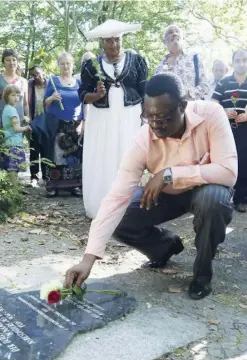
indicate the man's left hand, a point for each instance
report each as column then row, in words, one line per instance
column 241, row 118
column 152, row 190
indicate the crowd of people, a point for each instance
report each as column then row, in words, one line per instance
column 192, row 143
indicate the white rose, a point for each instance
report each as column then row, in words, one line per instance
column 48, row 287
column 165, row 67
column 96, row 45
column 89, row 46
column 44, row 291
column 87, row 56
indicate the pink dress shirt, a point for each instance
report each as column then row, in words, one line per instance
column 206, row 154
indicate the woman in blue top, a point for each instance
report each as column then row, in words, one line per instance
column 63, row 119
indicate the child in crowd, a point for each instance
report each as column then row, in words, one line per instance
column 13, row 152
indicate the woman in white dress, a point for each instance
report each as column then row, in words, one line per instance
column 113, row 116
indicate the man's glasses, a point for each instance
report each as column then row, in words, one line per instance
column 160, row 122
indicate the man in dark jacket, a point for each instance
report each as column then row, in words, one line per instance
column 36, row 89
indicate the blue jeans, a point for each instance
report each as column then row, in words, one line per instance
column 212, row 209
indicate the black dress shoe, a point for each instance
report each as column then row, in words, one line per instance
column 198, row 291
column 175, row 248
column 240, row 208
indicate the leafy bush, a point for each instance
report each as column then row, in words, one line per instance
column 10, row 196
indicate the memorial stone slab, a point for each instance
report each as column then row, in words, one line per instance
column 31, row 329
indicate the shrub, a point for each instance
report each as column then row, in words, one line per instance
column 10, row 196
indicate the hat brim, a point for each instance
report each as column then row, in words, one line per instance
column 112, row 28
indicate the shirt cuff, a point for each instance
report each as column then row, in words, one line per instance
column 184, row 177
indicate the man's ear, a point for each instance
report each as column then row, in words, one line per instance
column 183, row 105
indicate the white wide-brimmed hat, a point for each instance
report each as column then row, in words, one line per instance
column 111, row 28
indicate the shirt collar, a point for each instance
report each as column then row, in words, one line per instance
column 192, row 120
column 182, row 54
column 232, row 77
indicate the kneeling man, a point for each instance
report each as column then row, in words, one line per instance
column 190, row 150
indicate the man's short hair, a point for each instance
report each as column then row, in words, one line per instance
column 35, row 66
column 166, row 30
column 167, row 83
column 8, row 90
column 219, row 61
column 237, row 51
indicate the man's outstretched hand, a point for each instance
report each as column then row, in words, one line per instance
column 79, row 273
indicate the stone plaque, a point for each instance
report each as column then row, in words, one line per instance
column 31, row 329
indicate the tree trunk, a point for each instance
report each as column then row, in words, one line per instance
column 104, row 11
column 66, row 25
column 31, row 38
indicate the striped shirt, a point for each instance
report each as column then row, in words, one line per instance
column 226, row 88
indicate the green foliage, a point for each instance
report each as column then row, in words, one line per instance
column 10, row 196
column 212, row 28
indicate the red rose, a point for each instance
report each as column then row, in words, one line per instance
column 235, row 95
column 55, row 174
column 54, row 297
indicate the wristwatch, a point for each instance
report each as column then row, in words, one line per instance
column 167, row 176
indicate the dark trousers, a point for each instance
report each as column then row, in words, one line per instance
column 212, row 209
column 240, row 191
column 240, row 136
column 36, row 150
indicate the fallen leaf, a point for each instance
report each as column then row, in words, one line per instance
column 24, row 238
column 214, row 322
column 174, row 289
column 148, row 305
column 169, row 271
column 41, row 242
column 57, row 251
column 243, row 306
column 55, row 221
column 35, row 231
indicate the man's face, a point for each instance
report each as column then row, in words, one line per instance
column 219, row 71
column 240, row 62
column 113, row 46
column 164, row 115
column 174, row 38
column 38, row 76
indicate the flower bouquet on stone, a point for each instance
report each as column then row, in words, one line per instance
column 54, row 291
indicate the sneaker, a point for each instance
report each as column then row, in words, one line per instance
column 34, row 183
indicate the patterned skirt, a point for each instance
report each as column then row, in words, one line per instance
column 13, row 159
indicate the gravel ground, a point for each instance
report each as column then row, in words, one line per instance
column 57, row 229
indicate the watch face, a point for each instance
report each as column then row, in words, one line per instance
column 167, row 176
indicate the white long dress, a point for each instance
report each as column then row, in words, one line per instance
column 109, row 132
